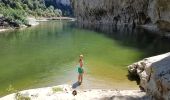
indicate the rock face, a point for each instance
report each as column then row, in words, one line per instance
column 122, row 12
column 154, row 73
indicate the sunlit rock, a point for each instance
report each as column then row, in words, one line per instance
column 155, row 78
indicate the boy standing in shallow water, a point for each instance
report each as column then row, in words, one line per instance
column 80, row 69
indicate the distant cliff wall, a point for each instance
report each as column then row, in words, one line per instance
column 123, row 12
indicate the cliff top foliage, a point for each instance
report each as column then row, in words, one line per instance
column 18, row 10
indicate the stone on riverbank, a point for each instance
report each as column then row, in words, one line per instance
column 154, row 73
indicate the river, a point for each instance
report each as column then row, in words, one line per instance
column 47, row 55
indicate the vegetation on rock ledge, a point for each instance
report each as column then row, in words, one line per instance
column 17, row 10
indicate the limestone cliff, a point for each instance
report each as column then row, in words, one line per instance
column 154, row 73
column 123, row 12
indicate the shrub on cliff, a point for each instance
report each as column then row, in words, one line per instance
column 14, row 15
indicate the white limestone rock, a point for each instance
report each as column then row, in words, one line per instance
column 155, row 78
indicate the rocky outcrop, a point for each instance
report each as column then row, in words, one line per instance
column 122, row 12
column 154, row 73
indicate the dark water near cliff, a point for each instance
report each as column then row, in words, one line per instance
column 151, row 42
column 47, row 54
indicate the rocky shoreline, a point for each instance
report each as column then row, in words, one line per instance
column 154, row 74
column 64, row 92
column 32, row 21
column 6, row 25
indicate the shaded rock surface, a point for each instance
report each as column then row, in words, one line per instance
column 122, row 12
column 154, row 73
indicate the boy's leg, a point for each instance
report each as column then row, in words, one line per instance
column 79, row 78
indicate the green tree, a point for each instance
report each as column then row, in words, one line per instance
column 18, row 5
column 25, row 7
column 51, row 8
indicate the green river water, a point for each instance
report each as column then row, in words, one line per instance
column 47, row 54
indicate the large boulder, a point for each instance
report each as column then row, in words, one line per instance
column 154, row 74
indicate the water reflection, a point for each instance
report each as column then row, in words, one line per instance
column 150, row 42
